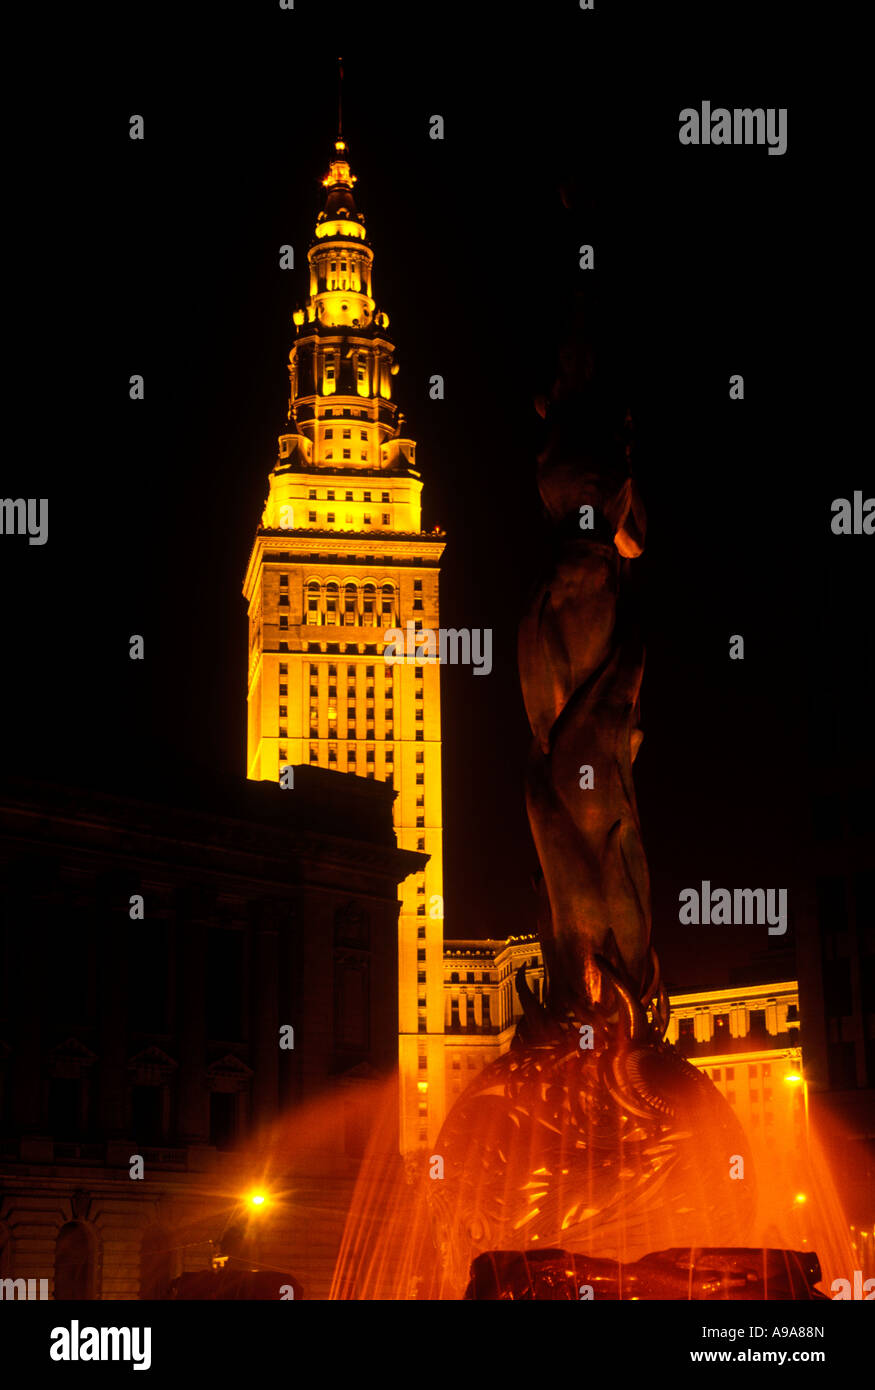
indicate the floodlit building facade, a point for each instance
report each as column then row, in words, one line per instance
column 340, row 559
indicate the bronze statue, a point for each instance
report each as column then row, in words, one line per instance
column 591, row 1134
column 581, row 660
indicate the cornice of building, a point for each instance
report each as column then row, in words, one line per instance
column 737, row 994
column 461, row 947
column 262, row 849
column 748, row 1056
column 298, row 540
column 315, row 328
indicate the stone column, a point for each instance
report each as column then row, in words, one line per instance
column 703, row 1025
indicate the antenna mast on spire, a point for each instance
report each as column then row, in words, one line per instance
column 339, row 98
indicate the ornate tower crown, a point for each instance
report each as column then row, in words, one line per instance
column 340, row 255
column 340, row 203
column 341, row 366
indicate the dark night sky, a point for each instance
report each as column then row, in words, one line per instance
column 163, row 258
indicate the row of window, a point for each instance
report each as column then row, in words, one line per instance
column 370, row 671
column 352, row 760
column 350, row 670
column 388, row 712
column 361, row 367
column 752, row 1071
column 351, row 587
column 370, row 762
column 351, row 720
column 388, row 755
column 315, row 732
column 336, row 648
column 354, row 268
column 349, row 519
column 351, row 693
column 349, row 495
column 351, row 690
column 325, row 601
column 345, row 414
column 751, row 1022
column 485, row 1012
column 351, row 735
column 332, row 619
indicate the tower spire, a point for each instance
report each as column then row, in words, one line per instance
column 340, row 98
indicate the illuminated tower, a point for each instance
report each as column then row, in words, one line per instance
column 339, row 559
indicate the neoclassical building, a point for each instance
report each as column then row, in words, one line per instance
column 197, row 1005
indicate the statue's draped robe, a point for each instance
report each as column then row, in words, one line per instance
column 581, row 662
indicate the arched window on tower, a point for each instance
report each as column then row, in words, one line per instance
column 314, row 589
column 369, row 604
column 350, row 605
column 332, row 596
column 388, row 605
